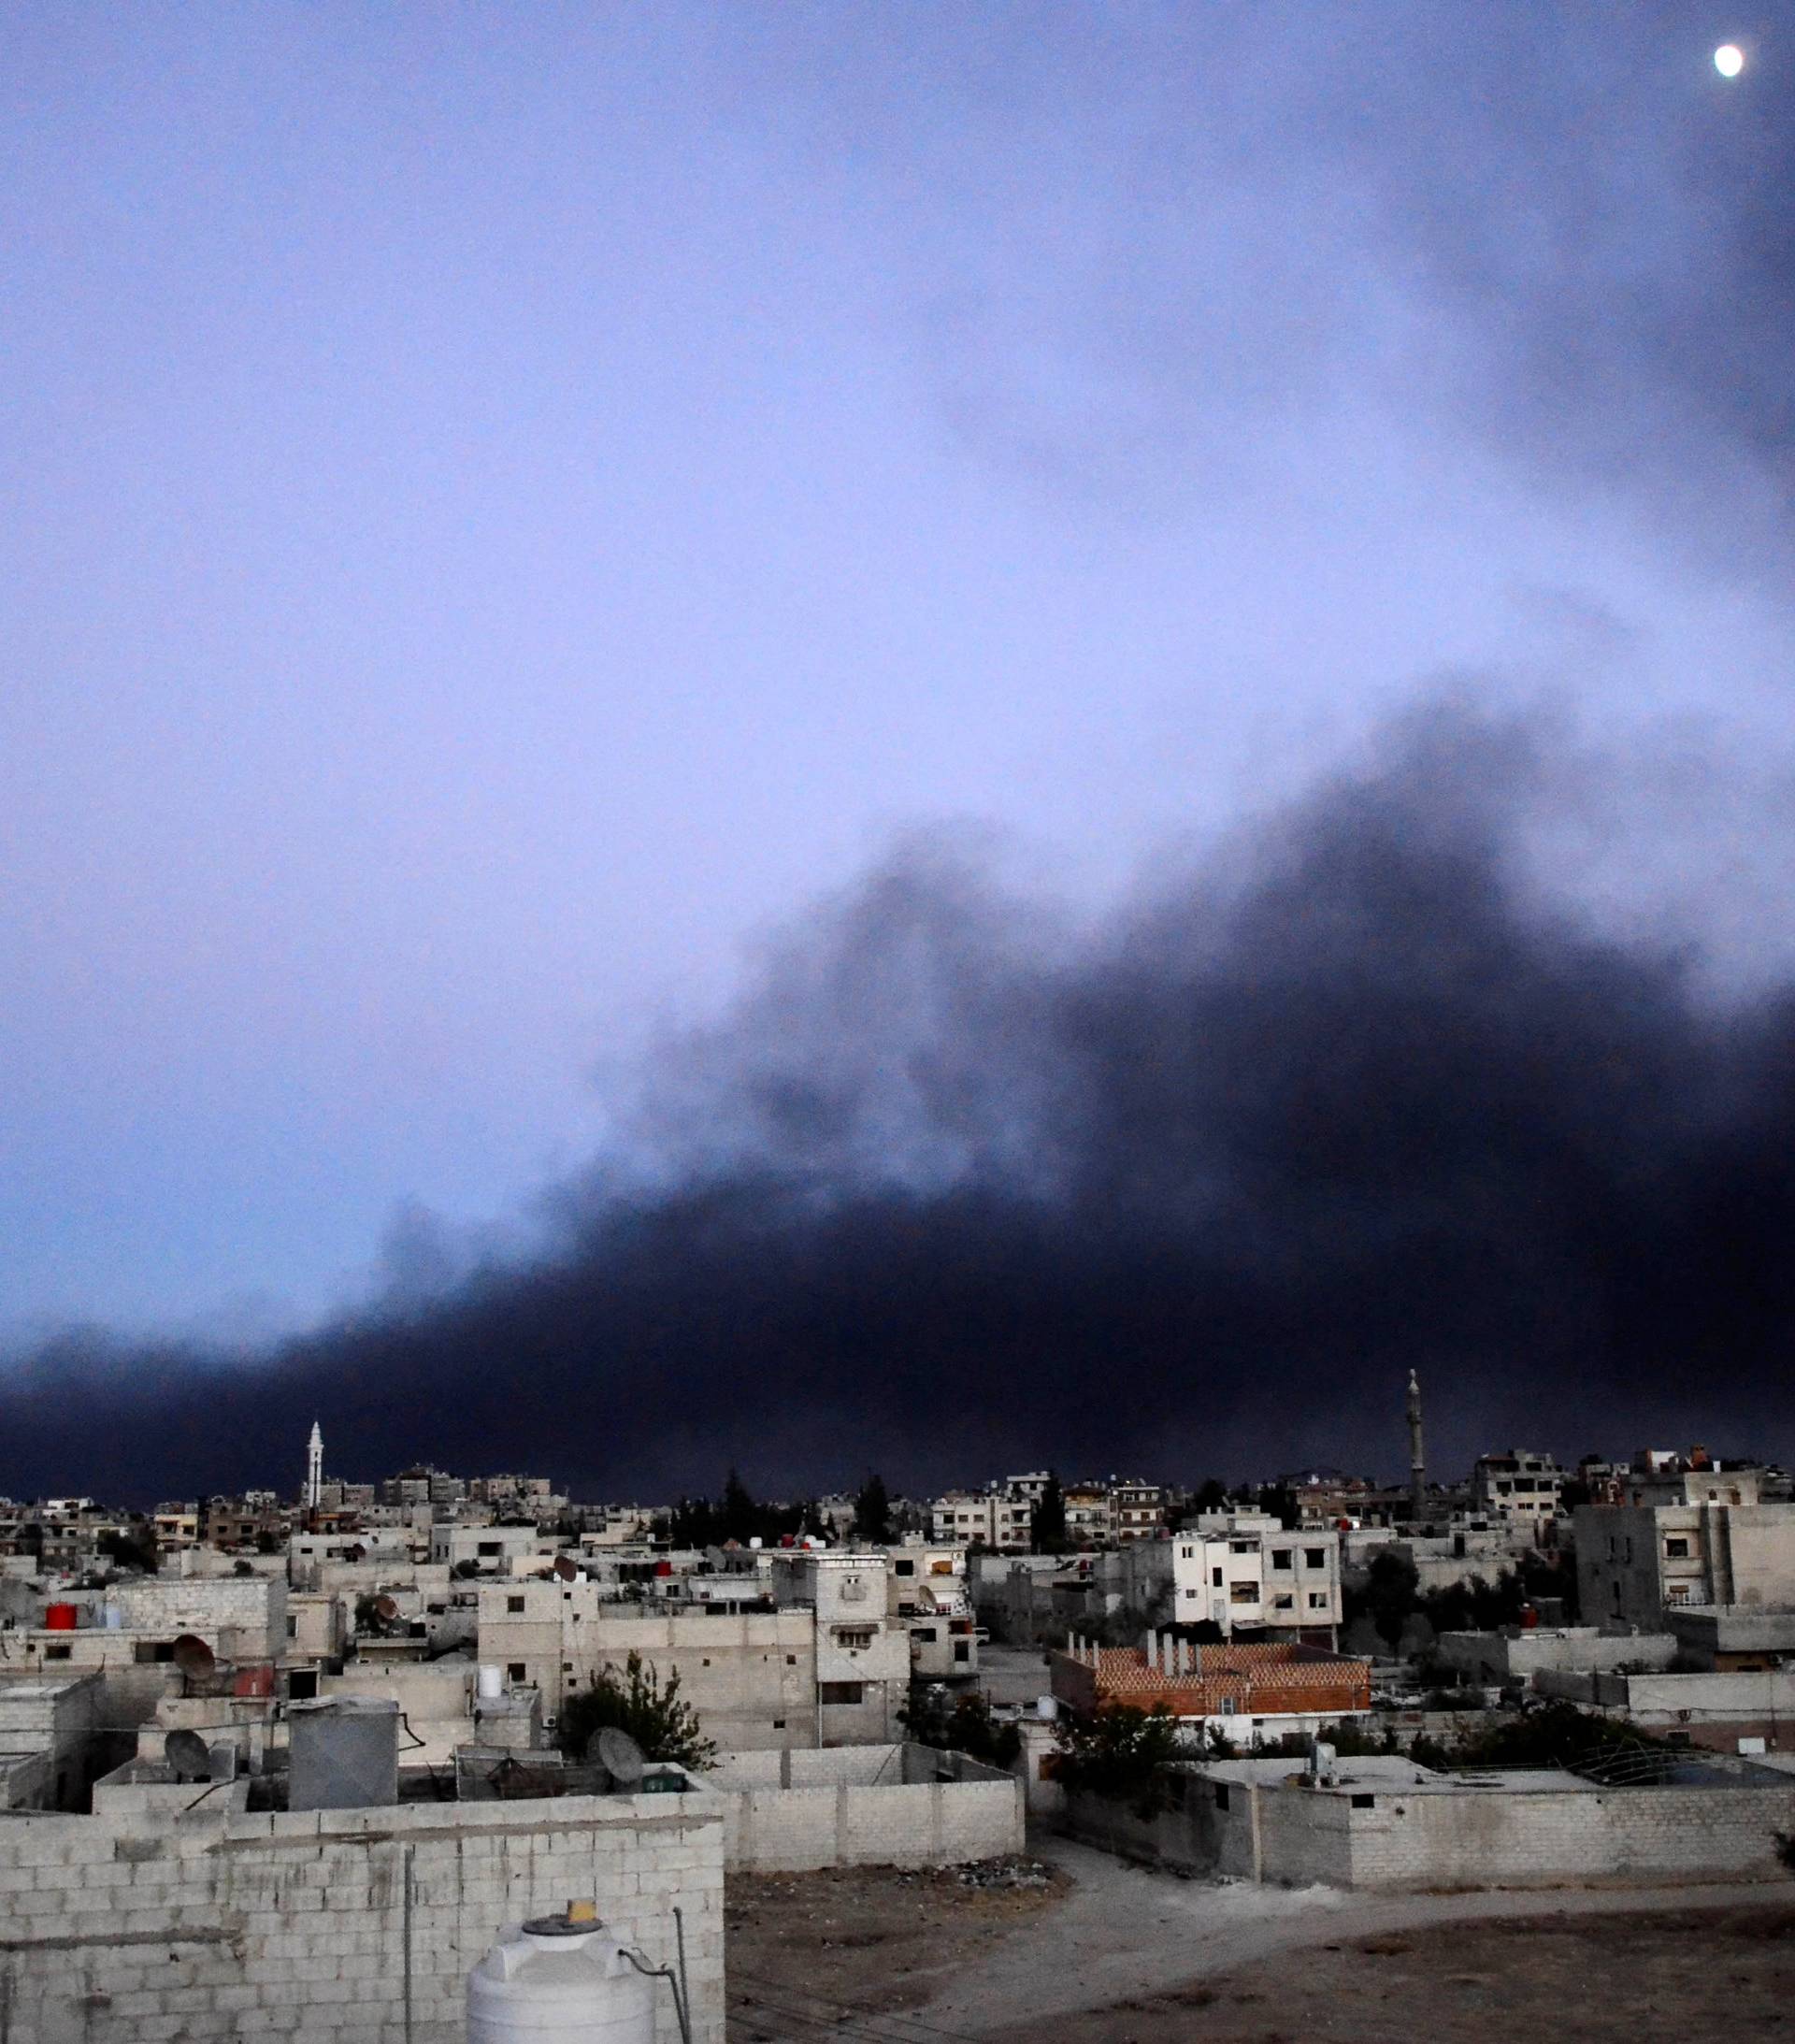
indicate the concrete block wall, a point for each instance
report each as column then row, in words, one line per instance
column 882, row 1807
column 122, row 1931
column 1491, row 1841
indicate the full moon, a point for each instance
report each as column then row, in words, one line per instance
column 1728, row 59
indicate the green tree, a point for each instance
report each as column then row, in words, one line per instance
column 1118, row 1752
column 739, row 1515
column 1050, row 1519
column 964, row 1724
column 635, row 1700
column 1389, row 1593
column 872, row 1512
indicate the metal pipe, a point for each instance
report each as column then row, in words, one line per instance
column 409, row 1852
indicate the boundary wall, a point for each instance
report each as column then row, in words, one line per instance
column 1378, row 1836
column 210, row 1927
column 865, row 1806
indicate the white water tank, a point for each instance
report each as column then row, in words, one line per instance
column 490, row 1683
column 559, row 1981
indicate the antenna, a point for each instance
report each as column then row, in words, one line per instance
column 620, row 1755
column 187, row 1755
column 194, row 1658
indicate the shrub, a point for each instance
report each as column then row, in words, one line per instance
column 1119, row 1753
column 635, row 1700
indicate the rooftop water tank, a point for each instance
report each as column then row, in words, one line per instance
column 489, row 1684
column 560, row 1979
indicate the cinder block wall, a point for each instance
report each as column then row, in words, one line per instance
column 294, row 1925
column 867, row 1806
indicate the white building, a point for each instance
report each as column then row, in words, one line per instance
column 986, row 1518
column 1520, row 1486
column 1244, row 1571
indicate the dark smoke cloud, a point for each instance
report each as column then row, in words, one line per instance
column 961, row 1184
column 1191, row 232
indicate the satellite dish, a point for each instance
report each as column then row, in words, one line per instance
column 194, row 1657
column 385, row 1609
column 188, row 1756
column 621, row 1756
column 355, row 1552
column 566, row 1568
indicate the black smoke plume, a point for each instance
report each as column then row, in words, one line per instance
column 961, row 1187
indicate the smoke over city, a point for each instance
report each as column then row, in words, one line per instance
column 960, row 1182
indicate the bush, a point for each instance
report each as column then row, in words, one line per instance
column 1119, row 1753
column 963, row 1726
column 634, row 1700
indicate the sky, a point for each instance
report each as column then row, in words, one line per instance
column 518, row 522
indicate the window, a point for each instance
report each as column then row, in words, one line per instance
column 293, row 1628
column 1186, row 1554
column 515, row 1605
column 1284, row 1603
column 491, row 1547
column 1283, row 1558
column 1317, row 1600
column 302, row 1685
column 1221, row 1795
column 517, row 1671
column 63, row 1652
column 1315, row 1557
column 923, row 1633
column 1240, row 1547
column 1228, row 1706
column 153, row 1650
column 1215, row 1578
column 791, row 1661
column 1676, row 1551
column 962, row 1649
column 1243, row 1593
column 1364, row 1802
column 903, row 1568
column 856, row 1638
column 779, row 1724
column 840, row 1693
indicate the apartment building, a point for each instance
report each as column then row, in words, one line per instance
column 1244, row 1571
column 1636, row 1562
column 986, row 1518
column 926, row 1593
column 1137, row 1511
column 1520, row 1486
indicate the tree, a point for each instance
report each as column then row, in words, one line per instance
column 635, row 1701
column 1212, row 1495
column 1280, row 1502
column 1050, row 1519
column 872, row 1512
column 129, row 1551
column 739, row 1520
column 1118, row 1752
column 963, row 1725
column 1389, row 1593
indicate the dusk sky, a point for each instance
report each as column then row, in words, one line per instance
column 505, row 509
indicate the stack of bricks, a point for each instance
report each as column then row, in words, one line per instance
column 214, row 1926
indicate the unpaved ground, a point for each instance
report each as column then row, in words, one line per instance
column 1660, row 1978
column 1112, row 1954
column 865, row 1938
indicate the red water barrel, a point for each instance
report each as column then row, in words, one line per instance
column 61, row 1618
column 663, row 1568
column 257, row 1680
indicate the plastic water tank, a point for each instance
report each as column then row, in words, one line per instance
column 559, row 1981
column 490, row 1684
column 61, row 1618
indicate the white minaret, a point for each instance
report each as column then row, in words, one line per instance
column 315, row 1469
column 1417, row 1460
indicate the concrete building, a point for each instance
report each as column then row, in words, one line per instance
column 1520, row 1487
column 986, row 1518
column 487, row 1550
column 1244, row 1571
column 863, row 1655
column 751, row 1676
column 1635, row 1563
column 926, row 1594
column 1136, row 1510
column 1519, row 1653
column 1385, row 1823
